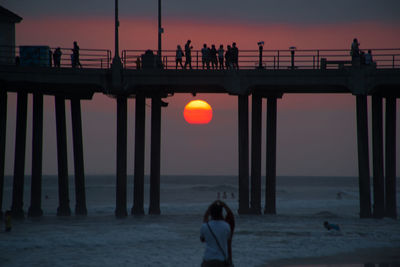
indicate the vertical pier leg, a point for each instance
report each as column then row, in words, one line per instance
column 255, row 199
column 121, row 210
column 138, row 187
column 243, row 154
column 63, row 190
column 377, row 145
column 19, row 163
column 35, row 209
column 270, row 182
column 390, row 148
column 3, row 132
column 155, row 155
column 80, row 194
column 363, row 156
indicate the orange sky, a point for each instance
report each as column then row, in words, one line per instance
column 316, row 133
column 97, row 32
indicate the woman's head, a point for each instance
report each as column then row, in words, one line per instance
column 216, row 211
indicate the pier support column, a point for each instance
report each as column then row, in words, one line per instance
column 390, row 159
column 255, row 199
column 155, row 155
column 363, row 156
column 121, row 210
column 270, row 180
column 377, row 145
column 35, row 209
column 3, row 133
column 19, row 162
column 243, row 154
column 140, row 130
column 80, row 194
column 63, row 190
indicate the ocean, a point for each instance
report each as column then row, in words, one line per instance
column 172, row 238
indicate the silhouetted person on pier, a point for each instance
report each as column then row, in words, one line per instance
column 235, row 56
column 205, row 56
column 188, row 54
column 221, row 57
column 213, row 57
column 368, row 58
column 179, row 56
column 217, row 233
column 228, row 57
column 138, row 63
column 57, row 57
column 75, row 56
column 50, row 58
column 355, row 49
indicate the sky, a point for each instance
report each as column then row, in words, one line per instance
column 316, row 134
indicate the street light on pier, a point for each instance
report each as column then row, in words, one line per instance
column 160, row 31
column 116, row 66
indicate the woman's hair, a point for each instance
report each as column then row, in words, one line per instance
column 216, row 211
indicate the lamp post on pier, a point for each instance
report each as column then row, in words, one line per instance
column 160, row 31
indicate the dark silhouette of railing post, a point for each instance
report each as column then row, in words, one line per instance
column 35, row 209
column 80, row 195
column 19, row 163
column 155, row 155
column 121, row 210
column 63, row 189
column 363, row 156
column 390, row 157
column 243, row 102
column 138, row 187
column 3, row 133
column 377, row 144
column 256, row 110
column 270, row 179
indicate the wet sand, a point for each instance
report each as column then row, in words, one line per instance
column 388, row 257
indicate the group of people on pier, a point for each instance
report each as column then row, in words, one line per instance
column 211, row 57
column 55, row 57
column 360, row 56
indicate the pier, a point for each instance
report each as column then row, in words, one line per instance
column 271, row 76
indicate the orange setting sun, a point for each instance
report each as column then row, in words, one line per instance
column 197, row 112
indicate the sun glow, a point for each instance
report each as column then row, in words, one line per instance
column 197, row 112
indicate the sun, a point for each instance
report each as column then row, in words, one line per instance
column 197, row 112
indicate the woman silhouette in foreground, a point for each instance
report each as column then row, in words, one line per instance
column 217, row 231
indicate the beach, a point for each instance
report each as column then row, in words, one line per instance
column 295, row 236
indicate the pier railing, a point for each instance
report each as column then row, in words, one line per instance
column 248, row 59
column 275, row 59
column 42, row 56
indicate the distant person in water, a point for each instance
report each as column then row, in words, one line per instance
column 57, row 57
column 7, row 221
column 331, row 226
column 179, row 56
column 75, row 56
column 188, row 54
column 217, row 232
